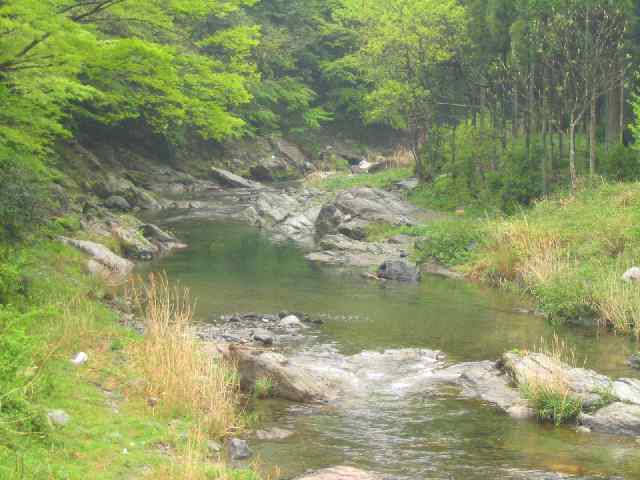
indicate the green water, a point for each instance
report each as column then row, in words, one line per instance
column 232, row 268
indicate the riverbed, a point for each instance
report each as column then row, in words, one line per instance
column 387, row 425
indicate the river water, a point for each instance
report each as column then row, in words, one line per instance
column 395, row 422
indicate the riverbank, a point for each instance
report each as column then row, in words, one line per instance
column 569, row 252
column 78, row 397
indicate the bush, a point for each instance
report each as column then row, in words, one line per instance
column 450, row 242
column 620, row 163
column 552, row 404
column 22, row 205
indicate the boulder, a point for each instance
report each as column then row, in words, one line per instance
column 291, row 152
column 261, row 173
column 632, row 275
column 398, row 270
column 588, row 386
column 103, row 259
column 340, row 473
column 290, row 382
column 239, row 449
column 627, row 390
column 291, row 321
column 369, row 205
column 616, row 419
column 116, row 202
column 231, row 180
column 133, row 243
column 262, row 336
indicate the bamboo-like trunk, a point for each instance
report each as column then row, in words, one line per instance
column 593, row 119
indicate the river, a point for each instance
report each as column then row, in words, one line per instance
column 386, row 427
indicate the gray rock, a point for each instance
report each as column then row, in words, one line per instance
column 634, row 361
column 291, row 152
column 213, row 447
column 627, row 390
column 155, row 233
column 398, row 270
column 340, row 473
column 632, row 275
column 58, row 418
column 291, row 321
column 133, row 243
column 239, row 449
column 588, row 386
column 485, row 381
column 369, row 205
column 616, row 419
column 408, row 185
column 290, row 382
column 116, row 202
column 232, row 180
column 261, row 173
column 103, row 260
column 262, row 336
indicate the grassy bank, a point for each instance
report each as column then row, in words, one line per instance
column 139, row 407
column 568, row 251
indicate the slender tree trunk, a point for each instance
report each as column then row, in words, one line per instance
column 593, row 123
column 516, row 112
column 572, row 151
column 621, row 125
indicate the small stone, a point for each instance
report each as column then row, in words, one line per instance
column 291, row 321
column 58, row 418
column 631, row 275
column 239, row 449
column 583, row 429
column 521, row 412
column 634, row 361
column 80, row 359
column 262, row 336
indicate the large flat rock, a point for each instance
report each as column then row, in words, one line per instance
column 617, row 419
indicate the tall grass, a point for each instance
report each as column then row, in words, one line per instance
column 185, row 379
column 550, row 396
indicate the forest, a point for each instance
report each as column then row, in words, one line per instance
column 377, row 178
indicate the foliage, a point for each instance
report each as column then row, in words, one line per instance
column 450, row 241
column 551, row 404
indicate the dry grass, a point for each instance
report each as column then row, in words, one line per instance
column 178, row 372
column 401, row 157
column 619, row 304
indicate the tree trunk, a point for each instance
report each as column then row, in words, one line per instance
column 593, row 123
column 621, row 124
column 572, row 151
column 613, row 116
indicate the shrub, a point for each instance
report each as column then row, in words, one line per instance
column 22, row 204
column 450, row 242
column 552, row 403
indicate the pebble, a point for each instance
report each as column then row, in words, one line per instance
column 239, row 449
column 58, row 418
column 80, row 359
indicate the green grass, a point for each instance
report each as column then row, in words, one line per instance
column 383, row 179
column 52, row 311
column 552, row 404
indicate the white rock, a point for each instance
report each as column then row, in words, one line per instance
column 80, row 359
column 631, row 275
column 58, row 418
column 291, row 321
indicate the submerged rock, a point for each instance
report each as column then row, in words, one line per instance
column 398, row 270
column 487, row 382
column 340, row 473
column 239, row 449
column 274, row 433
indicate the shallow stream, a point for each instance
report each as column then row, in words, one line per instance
column 395, row 421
